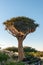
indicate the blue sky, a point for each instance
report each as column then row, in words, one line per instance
column 30, row 8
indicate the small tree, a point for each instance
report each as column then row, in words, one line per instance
column 20, row 27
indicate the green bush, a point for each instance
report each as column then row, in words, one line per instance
column 3, row 56
column 15, row 63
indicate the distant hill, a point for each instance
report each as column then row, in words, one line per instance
column 27, row 50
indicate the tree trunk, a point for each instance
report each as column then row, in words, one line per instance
column 20, row 50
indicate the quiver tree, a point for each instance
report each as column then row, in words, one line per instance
column 20, row 27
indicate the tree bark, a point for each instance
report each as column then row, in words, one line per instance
column 20, row 50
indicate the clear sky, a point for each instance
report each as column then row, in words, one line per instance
column 30, row 8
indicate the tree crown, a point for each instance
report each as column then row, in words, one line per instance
column 22, row 24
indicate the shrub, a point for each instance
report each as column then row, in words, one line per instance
column 15, row 63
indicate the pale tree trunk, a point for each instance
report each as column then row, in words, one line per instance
column 20, row 50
